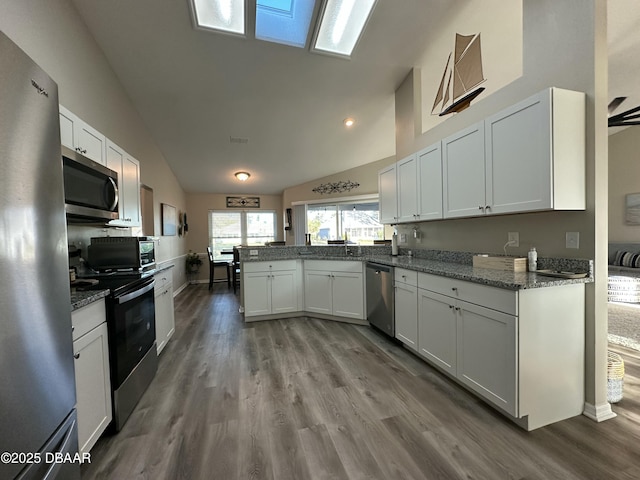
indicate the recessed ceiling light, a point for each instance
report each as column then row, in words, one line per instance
column 341, row 25
column 242, row 176
column 224, row 15
column 348, row 122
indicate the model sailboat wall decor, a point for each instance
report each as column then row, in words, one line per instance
column 462, row 76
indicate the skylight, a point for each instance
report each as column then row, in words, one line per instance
column 341, row 25
column 288, row 21
column 225, row 15
column 284, row 21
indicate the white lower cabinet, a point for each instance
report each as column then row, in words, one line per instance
column 348, row 294
column 270, row 287
column 406, row 307
column 486, row 354
column 317, row 291
column 334, row 288
column 474, row 343
column 93, row 385
column 522, row 351
column 165, row 315
column 437, row 330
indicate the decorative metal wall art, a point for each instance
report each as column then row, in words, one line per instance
column 243, row 202
column 335, row 187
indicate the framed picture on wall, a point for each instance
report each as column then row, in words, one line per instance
column 169, row 220
column 632, row 209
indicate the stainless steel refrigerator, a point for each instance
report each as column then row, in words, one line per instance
column 37, row 385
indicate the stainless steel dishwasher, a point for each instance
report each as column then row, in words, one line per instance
column 380, row 297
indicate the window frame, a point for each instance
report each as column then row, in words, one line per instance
column 337, row 202
column 243, row 227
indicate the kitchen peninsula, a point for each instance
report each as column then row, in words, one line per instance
column 514, row 339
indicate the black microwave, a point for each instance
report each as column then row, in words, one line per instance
column 90, row 189
column 121, row 253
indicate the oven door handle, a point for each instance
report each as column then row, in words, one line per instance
column 133, row 295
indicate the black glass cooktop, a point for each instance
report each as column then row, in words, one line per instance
column 115, row 281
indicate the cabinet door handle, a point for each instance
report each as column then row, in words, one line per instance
column 457, row 309
column 455, row 289
column 450, row 306
column 480, row 207
column 487, row 207
column 76, row 356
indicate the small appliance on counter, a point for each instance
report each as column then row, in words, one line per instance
column 121, row 253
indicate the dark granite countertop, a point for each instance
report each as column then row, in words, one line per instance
column 82, row 299
column 447, row 264
column 486, row 276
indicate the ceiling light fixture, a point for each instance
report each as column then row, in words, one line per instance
column 348, row 122
column 341, row 24
column 242, row 176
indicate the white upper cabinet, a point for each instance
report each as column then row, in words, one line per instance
column 130, row 191
column 429, row 176
column 128, row 170
column 528, row 157
column 407, row 185
column 81, row 137
column 417, row 193
column 535, row 153
column 463, row 173
column 387, row 195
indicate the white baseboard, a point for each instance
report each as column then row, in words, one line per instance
column 179, row 289
column 598, row 413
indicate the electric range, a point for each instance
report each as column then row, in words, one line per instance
column 130, row 308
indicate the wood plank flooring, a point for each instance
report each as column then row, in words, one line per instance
column 311, row 399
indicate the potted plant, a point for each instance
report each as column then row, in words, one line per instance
column 193, row 262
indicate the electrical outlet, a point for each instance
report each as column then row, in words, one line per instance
column 514, row 239
column 253, row 252
column 572, row 239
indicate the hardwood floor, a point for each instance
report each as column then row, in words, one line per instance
column 311, row 399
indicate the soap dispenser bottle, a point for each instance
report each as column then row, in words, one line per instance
column 533, row 259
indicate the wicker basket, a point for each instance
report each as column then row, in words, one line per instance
column 615, row 377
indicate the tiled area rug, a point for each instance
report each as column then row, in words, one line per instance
column 624, row 324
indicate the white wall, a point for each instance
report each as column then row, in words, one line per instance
column 53, row 34
column 624, row 178
column 499, row 24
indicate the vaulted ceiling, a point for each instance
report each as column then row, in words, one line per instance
column 196, row 90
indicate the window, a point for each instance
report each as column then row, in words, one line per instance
column 356, row 222
column 228, row 228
